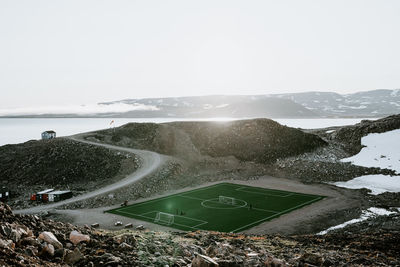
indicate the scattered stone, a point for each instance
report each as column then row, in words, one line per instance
column 72, row 257
column 272, row 262
column 312, row 258
column 140, row 227
column 50, row 238
column 75, row 237
column 59, row 253
column 129, row 225
column 203, row 261
column 6, row 243
column 95, row 225
column 124, row 245
column 15, row 236
column 47, row 250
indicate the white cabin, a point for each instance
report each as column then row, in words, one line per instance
column 48, row 135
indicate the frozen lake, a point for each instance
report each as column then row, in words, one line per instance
column 13, row 131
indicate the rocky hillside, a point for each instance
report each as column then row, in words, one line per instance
column 28, row 240
column 259, row 140
column 350, row 136
column 60, row 164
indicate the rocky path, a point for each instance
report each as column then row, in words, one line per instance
column 150, row 162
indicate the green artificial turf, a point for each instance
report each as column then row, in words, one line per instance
column 200, row 209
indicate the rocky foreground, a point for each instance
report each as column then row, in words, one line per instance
column 28, row 240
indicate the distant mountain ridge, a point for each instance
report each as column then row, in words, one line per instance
column 375, row 103
column 216, row 106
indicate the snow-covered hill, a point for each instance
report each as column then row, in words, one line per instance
column 377, row 103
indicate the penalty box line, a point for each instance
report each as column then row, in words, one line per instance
column 266, row 189
column 201, row 222
column 167, row 197
column 243, row 189
column 245, row 207
column 264, row 219
column 151, row 218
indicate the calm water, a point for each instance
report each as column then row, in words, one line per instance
column 13, row 131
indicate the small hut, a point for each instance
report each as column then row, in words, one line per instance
column 48, row 135
column 42, row 196
column 59, row 195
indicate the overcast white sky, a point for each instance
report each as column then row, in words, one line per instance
column 86, row 51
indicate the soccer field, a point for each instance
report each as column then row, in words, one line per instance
column 222, row 207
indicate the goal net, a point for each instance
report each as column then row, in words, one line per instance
column 227, row 200
column 165, row 218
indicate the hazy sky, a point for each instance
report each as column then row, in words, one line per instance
column 73, row 52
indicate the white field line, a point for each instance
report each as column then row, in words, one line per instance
column 167, row 197
column 210, row 200
column 142, row 214
column 185, row 217
column 199, row 189
column 291, row 193
column 151, row 218
column 305, row 203
column 197, row 225
column 243, row 189
column 195, row 198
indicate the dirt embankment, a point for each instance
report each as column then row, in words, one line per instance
column 258, row 140
column 60, row 164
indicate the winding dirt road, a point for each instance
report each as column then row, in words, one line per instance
column 150, row 162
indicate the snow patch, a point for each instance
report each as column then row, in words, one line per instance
column 351, row 107
column 366, row 214
column 330, row 131
column 381, row 150
column 395, row 92
column 222, row 105
column 378, row 183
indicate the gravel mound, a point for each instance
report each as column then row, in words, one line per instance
column 60, row 164
column 258, row 140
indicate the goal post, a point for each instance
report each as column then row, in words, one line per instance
column 165, row 218
column 227, row 200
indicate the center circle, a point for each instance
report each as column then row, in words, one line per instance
column 214, row 203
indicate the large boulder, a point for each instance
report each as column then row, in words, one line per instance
column 51, row 239
column 75, row 237
column 203, row 261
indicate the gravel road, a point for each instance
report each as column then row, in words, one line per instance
column 150, row 162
